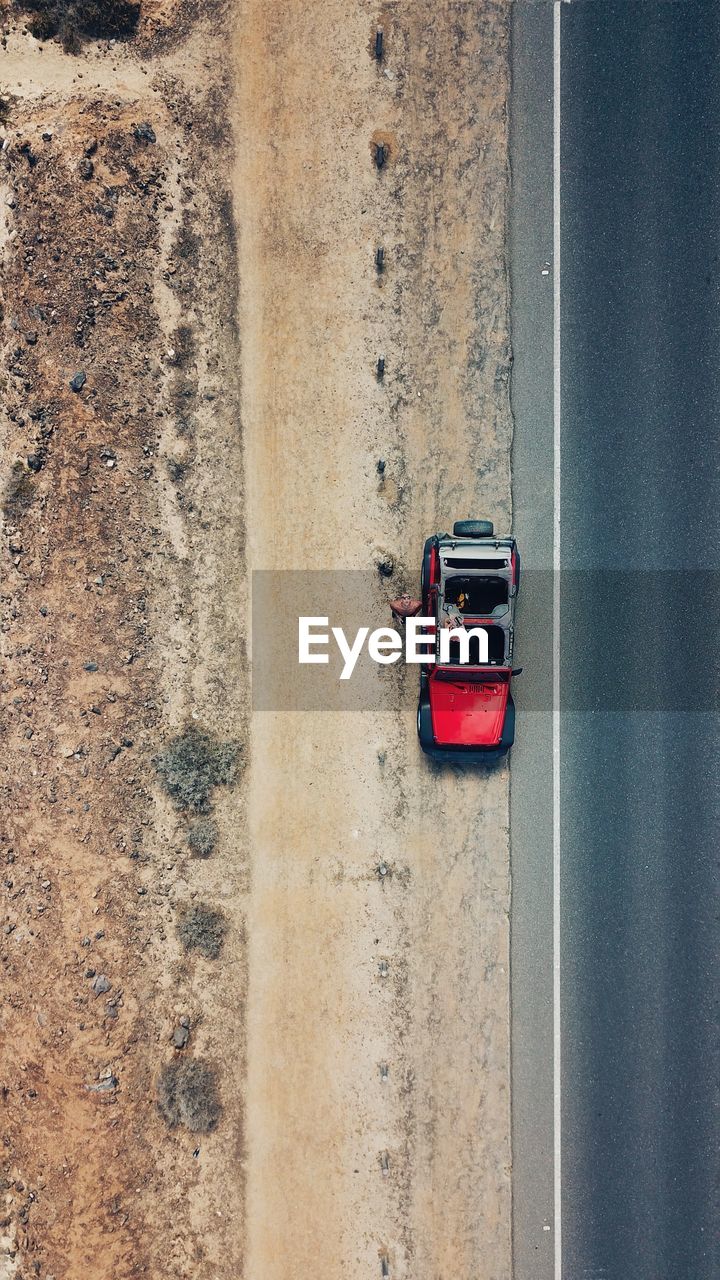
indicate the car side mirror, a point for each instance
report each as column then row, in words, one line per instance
column 517, row 671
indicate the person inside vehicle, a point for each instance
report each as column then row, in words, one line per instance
column 450, row 616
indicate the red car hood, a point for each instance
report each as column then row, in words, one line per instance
column 468, row 714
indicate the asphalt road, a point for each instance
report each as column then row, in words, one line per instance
column 531, row 817
column 640, row 771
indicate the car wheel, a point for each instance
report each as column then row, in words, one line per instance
column 508, row 733
column 424, row 724
column 425, row 583
column 473, row 529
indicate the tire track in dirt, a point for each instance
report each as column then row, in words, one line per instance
column 378, row 1006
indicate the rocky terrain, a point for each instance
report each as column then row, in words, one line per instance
column 120, row 393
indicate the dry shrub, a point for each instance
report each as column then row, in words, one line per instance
column 73, row 22
column 202, row 837
column 192, row 764
column 202, row 929
column 187, row 1094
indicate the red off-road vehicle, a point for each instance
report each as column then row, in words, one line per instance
column 466, row 712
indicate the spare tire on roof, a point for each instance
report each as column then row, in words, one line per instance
column 473, row 529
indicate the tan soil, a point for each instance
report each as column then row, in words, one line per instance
column 324, row 812
column 218, row 432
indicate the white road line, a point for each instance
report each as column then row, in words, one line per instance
column 557, row 1116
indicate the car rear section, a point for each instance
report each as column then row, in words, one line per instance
column 466, row 720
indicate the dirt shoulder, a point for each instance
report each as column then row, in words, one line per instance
column 230, row 1044
column 378, row 1057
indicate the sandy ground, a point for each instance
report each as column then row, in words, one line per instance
column 324, row 812
column 214, row 279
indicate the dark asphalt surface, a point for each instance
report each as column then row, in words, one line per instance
column 531, row 816
column 640, row 778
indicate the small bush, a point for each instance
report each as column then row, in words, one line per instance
column 202, row 837
column 202, row 929
column 18, row 493
column 187, row 245
column 183, row 344
column 192, row 764
column 72, row 21
column 187, row 1094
